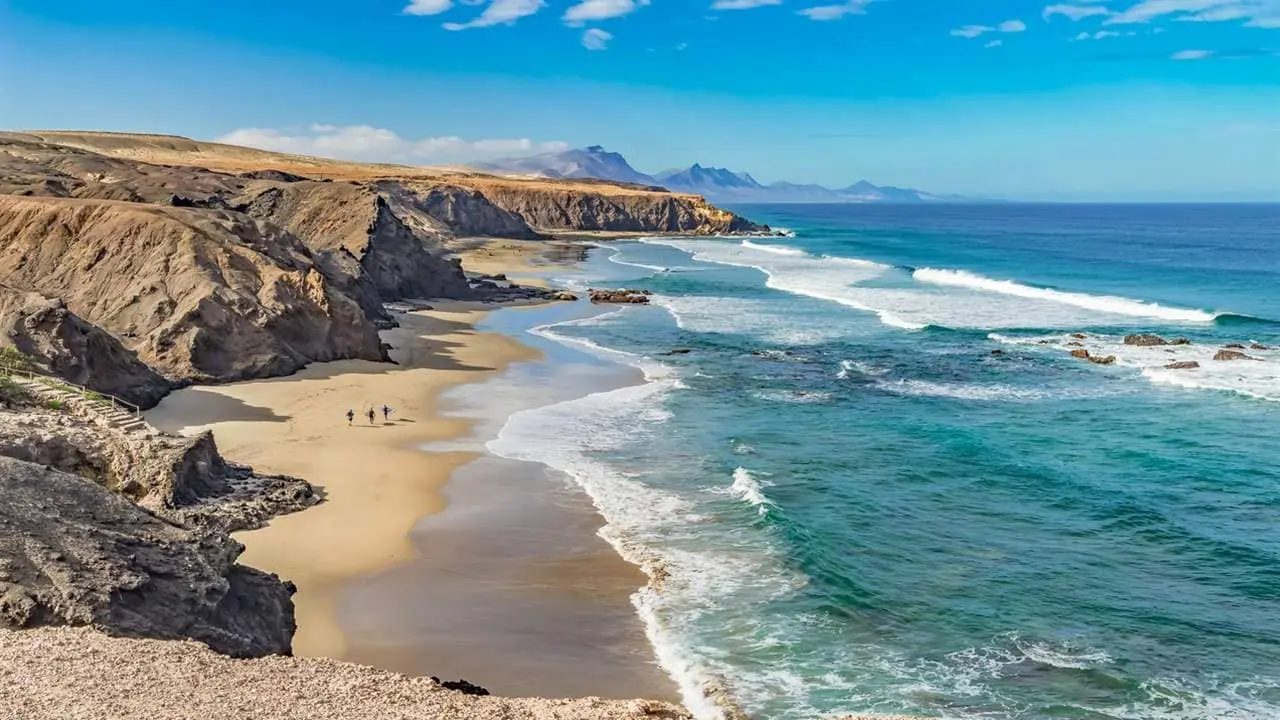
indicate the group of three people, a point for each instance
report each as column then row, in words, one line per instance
column 371, row 414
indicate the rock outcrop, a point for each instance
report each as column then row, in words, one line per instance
column 1231, row 355
column 74, row 553
column 550, row 209
column 622, row 296
column 63, row 344
column 1147, row 340
column 199, row 295
column 1095, row 359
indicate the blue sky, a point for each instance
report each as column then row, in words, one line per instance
column 1077, row 100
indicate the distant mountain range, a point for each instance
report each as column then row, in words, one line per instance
column 715, row 184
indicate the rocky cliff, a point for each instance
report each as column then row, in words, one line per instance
column 61, row 343
column 73, row 553
column 200, row 295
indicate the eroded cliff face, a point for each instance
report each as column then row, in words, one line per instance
column 364, row 246
column 61, row 343
column 200, row 295
column 551, row 209
column 73, row 553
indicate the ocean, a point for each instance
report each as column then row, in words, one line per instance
column 865, row 473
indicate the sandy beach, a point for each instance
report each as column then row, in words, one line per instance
column 375, row 482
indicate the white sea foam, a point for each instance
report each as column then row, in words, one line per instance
column 940, row 297
column 1258, row 377
column 776, row 249
column 1097, row 303
column 965, row 391
column 849, row 367
column 792, row 396
column 746, row 487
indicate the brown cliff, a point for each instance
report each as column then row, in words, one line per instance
column 200, row 295
column 59, row 342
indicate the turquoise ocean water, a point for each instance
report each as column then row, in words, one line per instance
column 848, row 503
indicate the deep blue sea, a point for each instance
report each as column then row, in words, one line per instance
column 848, row 501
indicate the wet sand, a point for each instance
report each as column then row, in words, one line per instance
column 498, row 578
column 376, row 482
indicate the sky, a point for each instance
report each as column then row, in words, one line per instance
column 1081, row 100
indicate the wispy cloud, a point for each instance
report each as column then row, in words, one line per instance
column 1191, row 55
column 973, row 31
column 993, row 44
column 596, row 39
column 835, row 12
column 500, row 12
column 428, row 7
column 365, row 142
column 1254, row 13
column 589, row 10
column 742, row 4
column 1074, row 12
column 1100, row 35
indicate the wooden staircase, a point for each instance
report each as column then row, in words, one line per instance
column 107, row 410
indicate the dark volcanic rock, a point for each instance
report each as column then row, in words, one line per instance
column 1234, row 346
column 73, row 553
column 1144, row 340
column 461, row 686
column 624, row 296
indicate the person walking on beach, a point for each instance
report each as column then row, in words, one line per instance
column 351, row 415
column 386, row 413
column 371, row 415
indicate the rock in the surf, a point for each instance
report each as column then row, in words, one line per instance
column 1183, row 365
column 1100, row 360
column 1231, row 355
column 1258, row 346
column 1234, row 346
column 1144, row 340
column 564, row 296
column 1081, row 353
column 622, row 296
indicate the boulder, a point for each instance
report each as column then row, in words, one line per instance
column 622, row 296
column 1099, row 360
column 1081, row 353
column 1183, row 365
column 1258, row 346
column 1234, row 346
column 73, row 553
column 1144, row 340
column 1231, row 355
column 564, row 296
column 461, row 686
column 1180, row 341
column 1078, row 336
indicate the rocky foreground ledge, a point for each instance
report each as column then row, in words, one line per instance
column 73, row 673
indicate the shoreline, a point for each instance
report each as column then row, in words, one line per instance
column 376, row 488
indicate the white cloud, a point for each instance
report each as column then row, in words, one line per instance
column 588, row 10
column 1254, row 13
column 973, row 31
column 1191, row 55
column 501, row 12
column 1074, row 12
column 365, row 142
column 742, row 4
column 596, row 39
column 835, row 12
column 993, row 43
column 428, row 7
column 1100, row 35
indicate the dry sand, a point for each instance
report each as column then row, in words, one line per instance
column 376, row 482
column 520, row 260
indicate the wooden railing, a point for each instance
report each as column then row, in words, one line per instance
column 58, row 383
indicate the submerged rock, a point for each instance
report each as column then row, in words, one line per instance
column 1144, row 340
column 1183, row 365
column 1234, row 346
